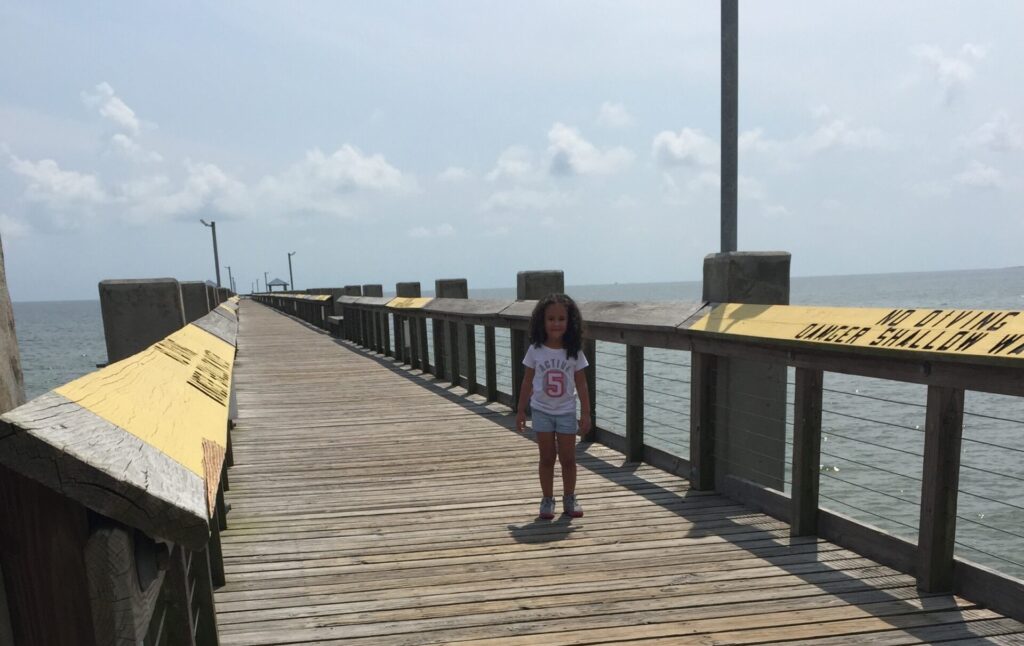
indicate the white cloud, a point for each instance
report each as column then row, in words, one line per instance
column 49, row 184
column 571, row 154
column 516, row 162
column 325, row 183
column 130, row 149
column 614, row 115
column 688, row 147
column 952, row 72
column 440, row 231
column 521, row 199
column 320, row 183
column 830, row 134
column 838, row 134
column 1000, row 134
column 775, row 211
column 454, row 174
column 112, row 108
column 978, row 175
column 13, row 227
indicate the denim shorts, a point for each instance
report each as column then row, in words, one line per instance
column 545, row 423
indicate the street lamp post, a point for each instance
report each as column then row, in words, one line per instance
column 266, row 283
column 290, row 276
column 216, row 258
column 231, row 279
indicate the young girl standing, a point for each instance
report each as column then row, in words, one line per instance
column 554, row 374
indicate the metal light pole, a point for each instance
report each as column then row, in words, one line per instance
column 216, row 258
column 730, row 119
column 266, row 283
column 231, row 280
column 290, row 276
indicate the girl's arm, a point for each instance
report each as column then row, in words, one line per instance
column 584, row 395
column 525, row 391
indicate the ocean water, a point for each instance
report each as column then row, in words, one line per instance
column 873, row 429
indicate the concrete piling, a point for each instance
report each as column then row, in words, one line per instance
column 139, row 312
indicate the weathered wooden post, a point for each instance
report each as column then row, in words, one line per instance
column 806, row 452
column 351, row 315
column 407, row 328
column 944, row 425
column 451, row 344
column 530, row 286
column 635, row 403
column 374, row 339
column 750, row 396
column 12, row 395
column 138, row 313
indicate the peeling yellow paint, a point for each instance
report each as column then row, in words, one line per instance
column 409, row 303
column 987, row 333
column 172, row 395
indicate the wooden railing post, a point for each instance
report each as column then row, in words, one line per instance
column 470, row 334
column 453, row 352
column 490, row 363
column 702, row 421
column 590, row 352
column 414, row 342
column 399, row 338
column 937, row 530
column 517, row 342
column 635, row 403
column 178, row 622
column 421, row 324
column 205, row 610
column 385, row 330
column 806, row 452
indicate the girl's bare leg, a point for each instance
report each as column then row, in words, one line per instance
column 546, row 468
column 567, row 458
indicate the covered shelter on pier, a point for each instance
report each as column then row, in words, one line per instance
column 277, row 282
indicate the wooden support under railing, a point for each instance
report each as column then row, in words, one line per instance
column 806, row 451
column 635, row 403
column 944, row 424
column 703, row 372
column 491, row 363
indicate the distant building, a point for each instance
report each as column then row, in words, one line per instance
column 277, row 282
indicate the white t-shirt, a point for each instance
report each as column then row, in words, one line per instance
column 554, row 379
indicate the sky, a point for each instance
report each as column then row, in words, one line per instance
column 393, row 141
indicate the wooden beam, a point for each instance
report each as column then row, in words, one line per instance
column 944, row 422
column 470, row 334
column 590, row 352
column 702, row 420
column 490, row 363
column 635, row 403
column 806, row 451
column 453, row 352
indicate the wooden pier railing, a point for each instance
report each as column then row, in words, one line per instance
column 112, row 495
column 949, row 351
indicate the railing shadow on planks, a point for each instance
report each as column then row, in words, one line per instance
column 948, row 351
column 117, row 483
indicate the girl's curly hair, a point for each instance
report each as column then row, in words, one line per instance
column 573, row 339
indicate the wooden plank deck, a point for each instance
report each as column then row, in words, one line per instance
column 373, row 506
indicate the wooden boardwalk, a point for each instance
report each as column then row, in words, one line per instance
column 371, row 505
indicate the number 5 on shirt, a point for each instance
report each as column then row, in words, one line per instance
column 554, row 383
